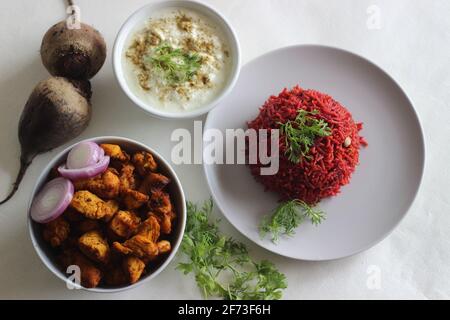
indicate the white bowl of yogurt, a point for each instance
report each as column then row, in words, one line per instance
column 176, row 59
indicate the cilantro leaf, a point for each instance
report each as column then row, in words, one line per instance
column 301, row 133
column 287, row 217
column 175, row 65
column 222, row 265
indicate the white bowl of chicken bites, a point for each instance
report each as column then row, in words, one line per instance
column 107, row 214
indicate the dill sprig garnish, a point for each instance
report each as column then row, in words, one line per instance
column 301, row 133
column 175, row 65
column 287, row 217
column 221, row 265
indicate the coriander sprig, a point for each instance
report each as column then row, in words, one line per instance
column 301, row 133
column 175, row 65
column 222, row 266
column 287, row 217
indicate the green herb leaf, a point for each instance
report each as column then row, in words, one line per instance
column 222, row 266
column 287, row 217
column 175, row 65
column 301, row 133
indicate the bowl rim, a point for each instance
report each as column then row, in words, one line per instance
column 154, row 111
column 43, row 175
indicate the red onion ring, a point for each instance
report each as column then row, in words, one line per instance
column 52, row 200
column 84, row 154
column 85, row 173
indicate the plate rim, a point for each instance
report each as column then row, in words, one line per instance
column 422, row 155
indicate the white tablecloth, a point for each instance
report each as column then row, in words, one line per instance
column 410, row 40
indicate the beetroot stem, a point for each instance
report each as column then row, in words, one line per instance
column 25, row 161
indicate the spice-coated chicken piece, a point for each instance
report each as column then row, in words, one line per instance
column 124, row 223
column 150, row 228
column 121, row 248
column 144, row 162
column 160, row 202
column 91, row 206
column 133, row 199
column 90, row 274
column 139, row 246
column 114, row 207
column 153, row 182
column 143, row 244
column 113, row 170
column 94, row 246
column 165, row 220
column 115, row 152
column 164, row 246
column 56, row 231
column 105, row 185
column 127, row 178
column 133, row 268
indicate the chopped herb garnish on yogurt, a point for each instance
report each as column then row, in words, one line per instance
column 175, row 65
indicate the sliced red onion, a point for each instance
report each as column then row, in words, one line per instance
column 84, row 154
column 85, row 173
column 52, row 200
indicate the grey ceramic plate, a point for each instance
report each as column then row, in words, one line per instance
column 384, row 184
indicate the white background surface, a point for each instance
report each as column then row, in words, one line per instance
column 413, row 45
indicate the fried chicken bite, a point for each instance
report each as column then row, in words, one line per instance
column 164, row 246
column 90, row 274
column 124, row 223
column 165, row 220
column 133, row 268
column 56, row 231
column 91, row 206
column 94, row 246
column 143, row 244
column 113, row 208
column 161, row 207
column 121, row 248
column 150, row 228
column 115, row 152
column 113, row 170
column 153, row 182
column 139, row 246
column 127, row 178
column 144, row 162
column 133, row 199
column 105, row 185
column 160, row 202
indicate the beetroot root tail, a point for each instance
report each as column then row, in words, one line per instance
column 25, row 162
